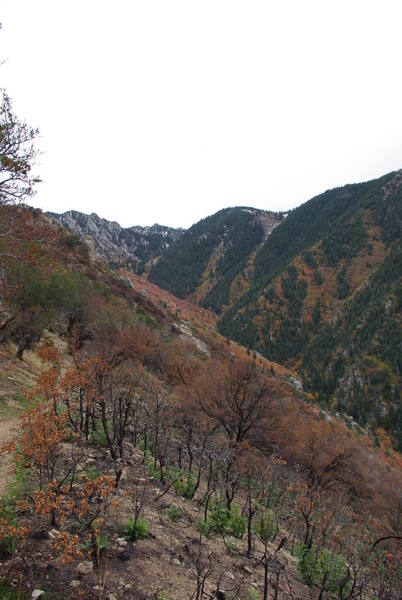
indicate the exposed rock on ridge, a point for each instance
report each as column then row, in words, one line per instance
column 132, row 247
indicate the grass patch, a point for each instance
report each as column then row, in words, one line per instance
column 14, row 405
column 136, row 531
column 9, row 593
column 98, row 437
column 174, row 514
column 18, row 489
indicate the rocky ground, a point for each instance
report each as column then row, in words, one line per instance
column 165, row 562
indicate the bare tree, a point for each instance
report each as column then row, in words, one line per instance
column 202, row 567
column 17, row 155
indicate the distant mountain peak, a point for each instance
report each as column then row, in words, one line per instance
column 132, row 247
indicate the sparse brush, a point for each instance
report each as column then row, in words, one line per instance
column 136, row 530
column 184, row 484
column 98, row 436
column 252, row 595
column 92, row 472
column 174, row 514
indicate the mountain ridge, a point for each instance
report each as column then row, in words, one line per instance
column 290, row 285
column 131, row 247
column 154, row 408
column 203, row 263
column 325, row 297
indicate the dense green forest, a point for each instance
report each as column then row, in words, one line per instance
column 233, row 232
column 333, row 237
column 324, row 216
column 357, row 359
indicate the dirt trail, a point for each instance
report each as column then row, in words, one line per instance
column 8, row 429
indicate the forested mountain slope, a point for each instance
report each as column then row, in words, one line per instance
column 213, row 255
column 152, row 450
column 326, row 299
column 303, row 290
column 155, row 459
column 131, row 247
column 210, row 264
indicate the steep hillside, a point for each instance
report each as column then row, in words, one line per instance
column 326, row 299
column 155, row 457
column 203, row 264
column 131, row 247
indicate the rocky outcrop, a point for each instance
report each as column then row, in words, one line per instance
column 131, row 247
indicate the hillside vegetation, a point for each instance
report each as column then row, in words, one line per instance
column 325, row 299
column 154, row 461
column 203, row 264
column 317, row 292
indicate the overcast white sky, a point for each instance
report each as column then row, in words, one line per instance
column 168, row 110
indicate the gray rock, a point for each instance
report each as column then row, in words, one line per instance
column 110, row 241
column 37, row 594
column 123, row 476
column 122, row 542
column 296, row 383
column 53, row 534
column 140, row 480
column 175, row 561
column 86, row 567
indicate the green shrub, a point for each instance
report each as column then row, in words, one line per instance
column 102, row 541
column 184, row 485
column 7, row 592
column 141, row 444
column 174, row 514
column 266, row 527
column 153, row 471
column 135, row 531
column 218, row 520
column 252, row 594
column 99, row 436
column 230, row 543
column 18, row 489
column 8, row 545
column 203, row 527
column 72, row 240
column 221, row 521
column 237, row 523
column 317, row 565
column 92, row 472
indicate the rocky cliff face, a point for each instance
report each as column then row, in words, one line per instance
column 133, row 247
